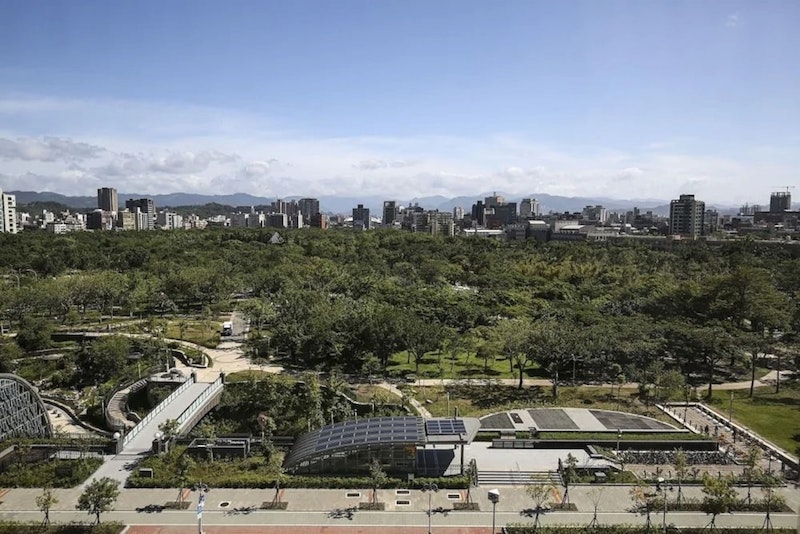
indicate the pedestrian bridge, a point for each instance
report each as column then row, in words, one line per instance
column 187, row 404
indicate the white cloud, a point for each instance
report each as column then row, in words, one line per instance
column 214, row 151
column 376, row 164
column 47, row 149
column 734, row 20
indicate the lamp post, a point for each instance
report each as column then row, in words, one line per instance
column 430, row 489
column 686, row 404
column 619, row 435
column 201, row 501
column 494, row 497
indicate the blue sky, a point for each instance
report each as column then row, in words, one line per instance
column 638, row 99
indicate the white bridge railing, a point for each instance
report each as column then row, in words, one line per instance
column 207, row 393
column 157, row 410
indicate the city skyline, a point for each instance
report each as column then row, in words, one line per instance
column 619, row 100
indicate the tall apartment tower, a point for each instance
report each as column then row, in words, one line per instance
column 780, row 202
column 8, row 213
column 686, row 216
column 308, row 207
column 361, row 218
column 389, row 212
column 107, row 199
column 146, row 208
column 529, row 208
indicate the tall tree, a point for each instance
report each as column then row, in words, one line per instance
column 511, row 336
column 749, row 299
column 418, row 336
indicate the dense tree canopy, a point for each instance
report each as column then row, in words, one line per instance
column 584, row 312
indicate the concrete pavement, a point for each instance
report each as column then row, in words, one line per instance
column 318, row 508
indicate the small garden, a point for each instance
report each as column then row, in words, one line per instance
column 53, row 473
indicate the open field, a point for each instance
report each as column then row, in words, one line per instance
column 774, row 416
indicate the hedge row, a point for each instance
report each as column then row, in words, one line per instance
column 14, row 527
column 258, row 481
column 756, row 505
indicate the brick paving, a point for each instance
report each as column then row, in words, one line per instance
column 302, row 529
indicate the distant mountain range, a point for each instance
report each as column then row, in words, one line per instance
column 335, row 204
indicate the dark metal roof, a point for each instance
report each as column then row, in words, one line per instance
column 352, row 435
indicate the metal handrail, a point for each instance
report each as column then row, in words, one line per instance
column 212, row 389
column 158, row 409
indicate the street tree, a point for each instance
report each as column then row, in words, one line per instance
column 377, row 478
column 45, row 502
column 681, row 466
column 751, row 470
column 99, row 497
column 539, row 494
column 719, row 497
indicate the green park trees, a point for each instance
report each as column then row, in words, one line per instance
column 98, row 497
column 573, row 312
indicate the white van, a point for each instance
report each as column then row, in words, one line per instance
column 227, row 328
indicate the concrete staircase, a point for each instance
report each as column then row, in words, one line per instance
column 518, row 478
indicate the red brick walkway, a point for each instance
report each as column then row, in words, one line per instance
column 301, row 529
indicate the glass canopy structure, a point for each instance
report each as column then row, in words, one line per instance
column 349, row 446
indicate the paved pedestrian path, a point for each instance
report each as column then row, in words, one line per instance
column 320, row 510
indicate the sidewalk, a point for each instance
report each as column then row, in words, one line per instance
column 319, row 510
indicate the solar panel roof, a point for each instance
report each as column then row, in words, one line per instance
column 442, row 427
column 354, row 434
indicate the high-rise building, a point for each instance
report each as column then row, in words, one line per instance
column 458, row 213
column 361, row 217
column 595, row 214
column 529, row 208
column 320, row 220
column 8, row 213
column 168, row 220
column 478, row 213
column 107, row 199
column 780, row 202
column 441, row 223
column 494, row 201
column 145, row 209
column 100, row 220
column 686, row 216
column 389, row 212
column 308, row 207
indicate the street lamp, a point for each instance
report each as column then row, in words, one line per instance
column 430, row 489
column 494, row 496
column 619, row 435
column 201, row 501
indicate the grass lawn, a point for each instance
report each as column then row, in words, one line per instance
column 476, row 400
column 464, row 365
column 200, row 332
column 774, row 416
column 376, row 394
